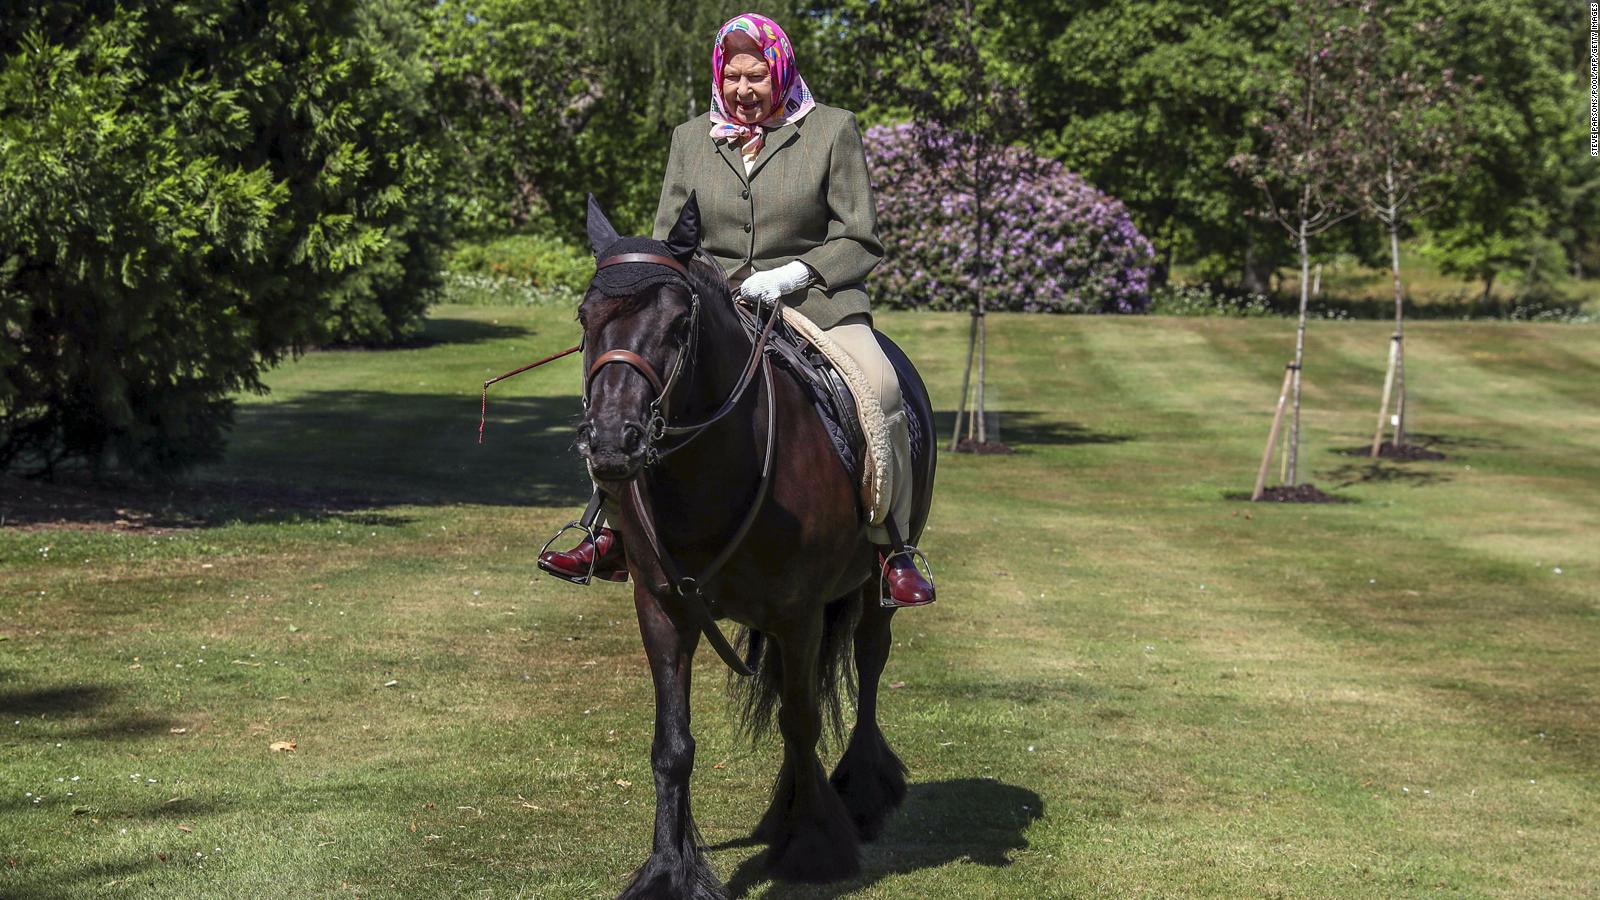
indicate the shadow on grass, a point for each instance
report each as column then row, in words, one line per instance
column 1024, row 428
column 87, row 879
column 78, row 698
column 97, row 875
column 339, row 455
column 91, row 701
column 436, row 331
column 975, row 820
column 419, row 449
column 1379, row 473
column 1455, row 441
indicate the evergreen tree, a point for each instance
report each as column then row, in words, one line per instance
column 189, row 192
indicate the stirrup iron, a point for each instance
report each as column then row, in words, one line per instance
column 594, row 558
column 886, row 601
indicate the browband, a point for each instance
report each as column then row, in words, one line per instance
column 651, row 258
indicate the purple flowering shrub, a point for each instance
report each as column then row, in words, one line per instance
column 1059, row 244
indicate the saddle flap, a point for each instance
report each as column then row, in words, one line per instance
column 830, row 393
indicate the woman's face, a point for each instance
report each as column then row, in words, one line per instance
column 746, row 83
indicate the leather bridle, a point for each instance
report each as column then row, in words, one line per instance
column 657, row 427
column 690, row 588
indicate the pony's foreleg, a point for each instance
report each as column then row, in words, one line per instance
column 814, row 840
column 870, row 777
column 676, row 868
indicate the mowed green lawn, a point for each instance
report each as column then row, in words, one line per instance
column 1131, row 685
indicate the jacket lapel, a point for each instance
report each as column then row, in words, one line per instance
column 732, row 158
column 777, row 139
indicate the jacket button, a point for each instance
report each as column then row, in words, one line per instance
column 744, row 194
column 747, row 228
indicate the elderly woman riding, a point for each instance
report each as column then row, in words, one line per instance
column 787, row 211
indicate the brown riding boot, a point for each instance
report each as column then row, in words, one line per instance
column 573, row 565
column 907, row 587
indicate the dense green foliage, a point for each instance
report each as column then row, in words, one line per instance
column 548, row 100
column 541, row 262
column 1149, row 98
column 189, row 192
column 1146, row 99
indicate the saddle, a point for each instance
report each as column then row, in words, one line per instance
column 793, row 344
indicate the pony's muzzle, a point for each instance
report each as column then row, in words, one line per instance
column 613, row 454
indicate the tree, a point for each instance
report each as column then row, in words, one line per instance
column 188, row 193
column 1148, row 100
column 1526, row 116
column 1409, row 149
column 545, row 101
column 1059, row 244
column 936, row 61
column 1307, row 157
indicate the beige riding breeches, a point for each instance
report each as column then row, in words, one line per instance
column 854, row 336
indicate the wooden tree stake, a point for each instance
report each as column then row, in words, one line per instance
column 966, row 377
column 1388, row 389
column 1272, row 436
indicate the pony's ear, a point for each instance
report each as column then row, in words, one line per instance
column 601, row 234
column 685, row 235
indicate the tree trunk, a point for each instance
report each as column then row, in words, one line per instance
column 983, row 429
column 1383, row 402
column 1299, row 357
column 1272, row 436
column 980, row 152
column 1251, row 276
column 1399, row 328
column 966, row 381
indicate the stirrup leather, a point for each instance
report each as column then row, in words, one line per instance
column 926, row 570
column 594, row 558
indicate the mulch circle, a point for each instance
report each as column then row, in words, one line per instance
column 1402, row 453
column 984, row 448
column 1300, row 493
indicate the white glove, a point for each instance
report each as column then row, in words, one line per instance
column 765, row 287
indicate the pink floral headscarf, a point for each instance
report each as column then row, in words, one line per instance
column 793, row 98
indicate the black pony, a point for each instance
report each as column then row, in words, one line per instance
column 733, row 504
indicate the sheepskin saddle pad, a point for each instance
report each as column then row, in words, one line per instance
column 845, row 401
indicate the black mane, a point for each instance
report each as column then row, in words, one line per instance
column 707, row 278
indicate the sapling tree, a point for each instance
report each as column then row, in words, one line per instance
column 1306, row 156
column 1409, row 148
column 938, row 61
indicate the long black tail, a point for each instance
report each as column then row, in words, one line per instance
column 756, row 698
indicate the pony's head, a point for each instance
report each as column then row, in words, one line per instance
column 640, row 326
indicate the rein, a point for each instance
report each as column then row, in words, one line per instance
column 690, row 588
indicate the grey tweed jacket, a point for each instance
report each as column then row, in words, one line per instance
column 807, row 197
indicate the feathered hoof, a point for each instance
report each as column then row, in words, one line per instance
column 674, row 877
column 871, row 780
column 817, row 849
